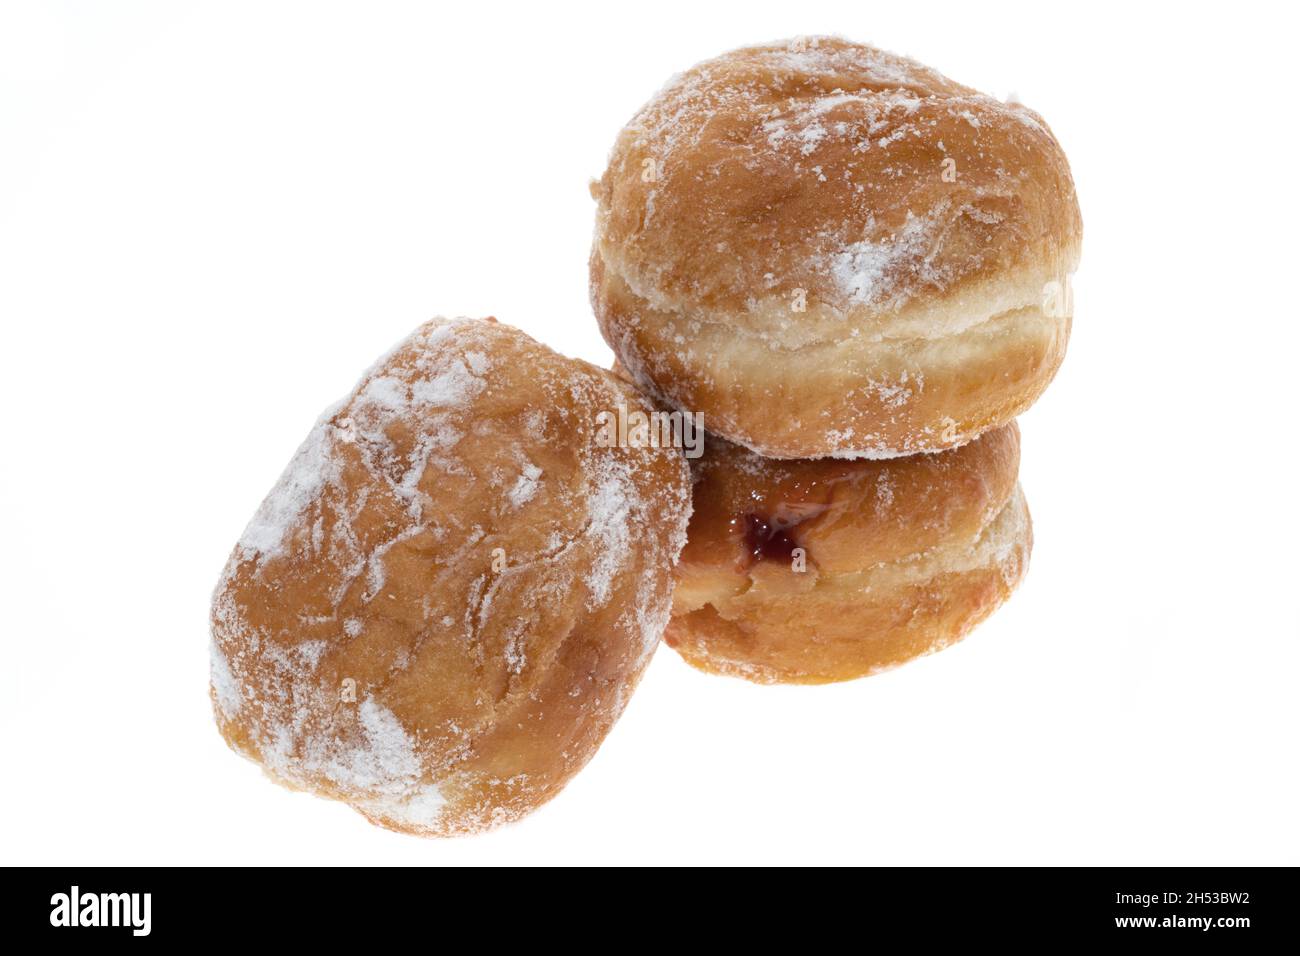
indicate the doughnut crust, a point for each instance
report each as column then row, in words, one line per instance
column 830, row 250
column 444, row 603
column 895, row 559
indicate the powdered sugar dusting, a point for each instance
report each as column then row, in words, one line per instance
column 225, row 688
column 385, row 759
column 451, row 387
column 419, row 807
column 382, row 767
column 609, row 511
column 884, row 492
column 526, row 486
column 875, row 272
column 308, row 471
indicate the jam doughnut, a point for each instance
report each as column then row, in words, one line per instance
column 830, row 250
column 443, row 605
column 823, row 570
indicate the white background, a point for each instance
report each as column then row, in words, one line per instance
column 213, row 217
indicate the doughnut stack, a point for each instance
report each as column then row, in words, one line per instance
column 857, row 271
column 854, row 271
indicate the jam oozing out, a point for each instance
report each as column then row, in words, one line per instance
column 768, row 538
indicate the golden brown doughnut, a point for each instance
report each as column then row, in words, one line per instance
column 441, row 608
column 830, row 250
column 815, row 571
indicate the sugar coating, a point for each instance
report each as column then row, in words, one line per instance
column 785, row 231
column 450, row 522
